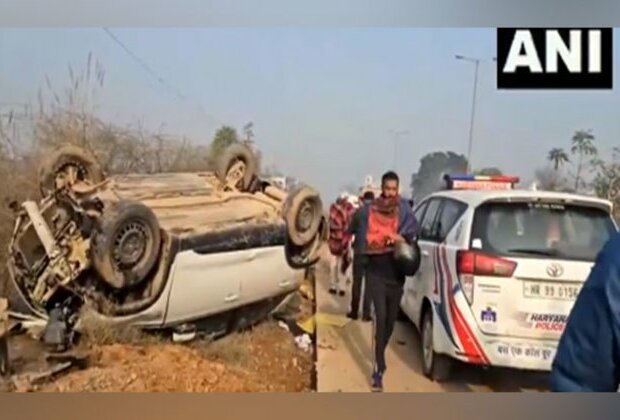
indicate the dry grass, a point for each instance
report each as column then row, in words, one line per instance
column 231, row 350
column 239, row 350
column 97, row 332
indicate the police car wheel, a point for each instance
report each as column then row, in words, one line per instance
column 435, row 366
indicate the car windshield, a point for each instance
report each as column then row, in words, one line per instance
column 541, row 230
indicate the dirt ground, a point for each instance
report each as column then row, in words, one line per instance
column 262, row 359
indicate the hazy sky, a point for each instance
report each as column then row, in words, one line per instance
column 322, row 100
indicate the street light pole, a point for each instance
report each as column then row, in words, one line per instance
column 473, row 115
column 476, row 62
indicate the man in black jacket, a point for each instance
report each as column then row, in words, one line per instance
column 359, row 262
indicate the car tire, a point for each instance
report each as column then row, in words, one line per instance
column 4, row 355
column 68, row 156
column 126, row 244
column 232, row 155
column 436, row 367
column 303, row 213
column 402, row 316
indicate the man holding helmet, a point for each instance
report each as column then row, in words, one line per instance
column 389, row 228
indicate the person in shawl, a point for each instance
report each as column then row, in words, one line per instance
column 382, row 223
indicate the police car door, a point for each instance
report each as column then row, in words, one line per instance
column 439, row 221
column 410, row 297
column 418, row 285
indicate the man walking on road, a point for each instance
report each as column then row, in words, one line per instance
column 357, row 228
column 588, row 355
column 386, row 220
column 339, row 242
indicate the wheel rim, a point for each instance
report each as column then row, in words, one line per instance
column 235, row 174
column 130, row 245
column 427, row 344
column 304, row 217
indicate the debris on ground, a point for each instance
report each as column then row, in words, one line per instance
column 267, row 357
column 28, row 381
column 55, row 365
column 303, row 342
column 184, row 333
column 308, row 325
column 263, row 359
column 34, row 328
column 58, row 333
column 333, row 320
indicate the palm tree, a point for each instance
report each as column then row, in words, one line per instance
column 583, row 145
column 558, row 157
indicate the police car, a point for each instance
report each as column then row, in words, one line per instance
column 500, row 271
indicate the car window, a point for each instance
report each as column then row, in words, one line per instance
column 428, row 226
column 535, row 229
column 419, row 211
column 450, row 212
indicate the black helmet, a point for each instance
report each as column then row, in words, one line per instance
column 407, row 257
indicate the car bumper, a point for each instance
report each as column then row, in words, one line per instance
column 514, row 353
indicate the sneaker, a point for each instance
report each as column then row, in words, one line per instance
column 352, row 315
column 341, row 293
column 332, row 291
column 377, row 382
column 366, row 318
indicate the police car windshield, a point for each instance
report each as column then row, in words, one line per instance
column 539, row 230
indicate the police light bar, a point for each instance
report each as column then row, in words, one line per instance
column 480, row 182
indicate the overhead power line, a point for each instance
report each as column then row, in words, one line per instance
column 168, row 86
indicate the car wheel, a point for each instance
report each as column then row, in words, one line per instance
column 435, row 366
column 66, row 166
column 303, row 213
column 126, row 244
column 236, row 167
column 402, row 316
column 4, row 356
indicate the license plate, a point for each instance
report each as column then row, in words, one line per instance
column 548, row 290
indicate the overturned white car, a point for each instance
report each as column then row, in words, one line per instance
column 161, row 250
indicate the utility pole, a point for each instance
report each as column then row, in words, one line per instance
column 476, row 62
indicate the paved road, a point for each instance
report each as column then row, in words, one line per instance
column 344, row 358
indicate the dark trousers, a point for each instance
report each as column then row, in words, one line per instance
column 360, row 261
column 385, row 294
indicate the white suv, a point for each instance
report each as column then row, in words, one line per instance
column 500, row 271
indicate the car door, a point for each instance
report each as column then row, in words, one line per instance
column 266, row 274
column 439, row 220
column 205, row 284
column 418, row 285
column 409, row 290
